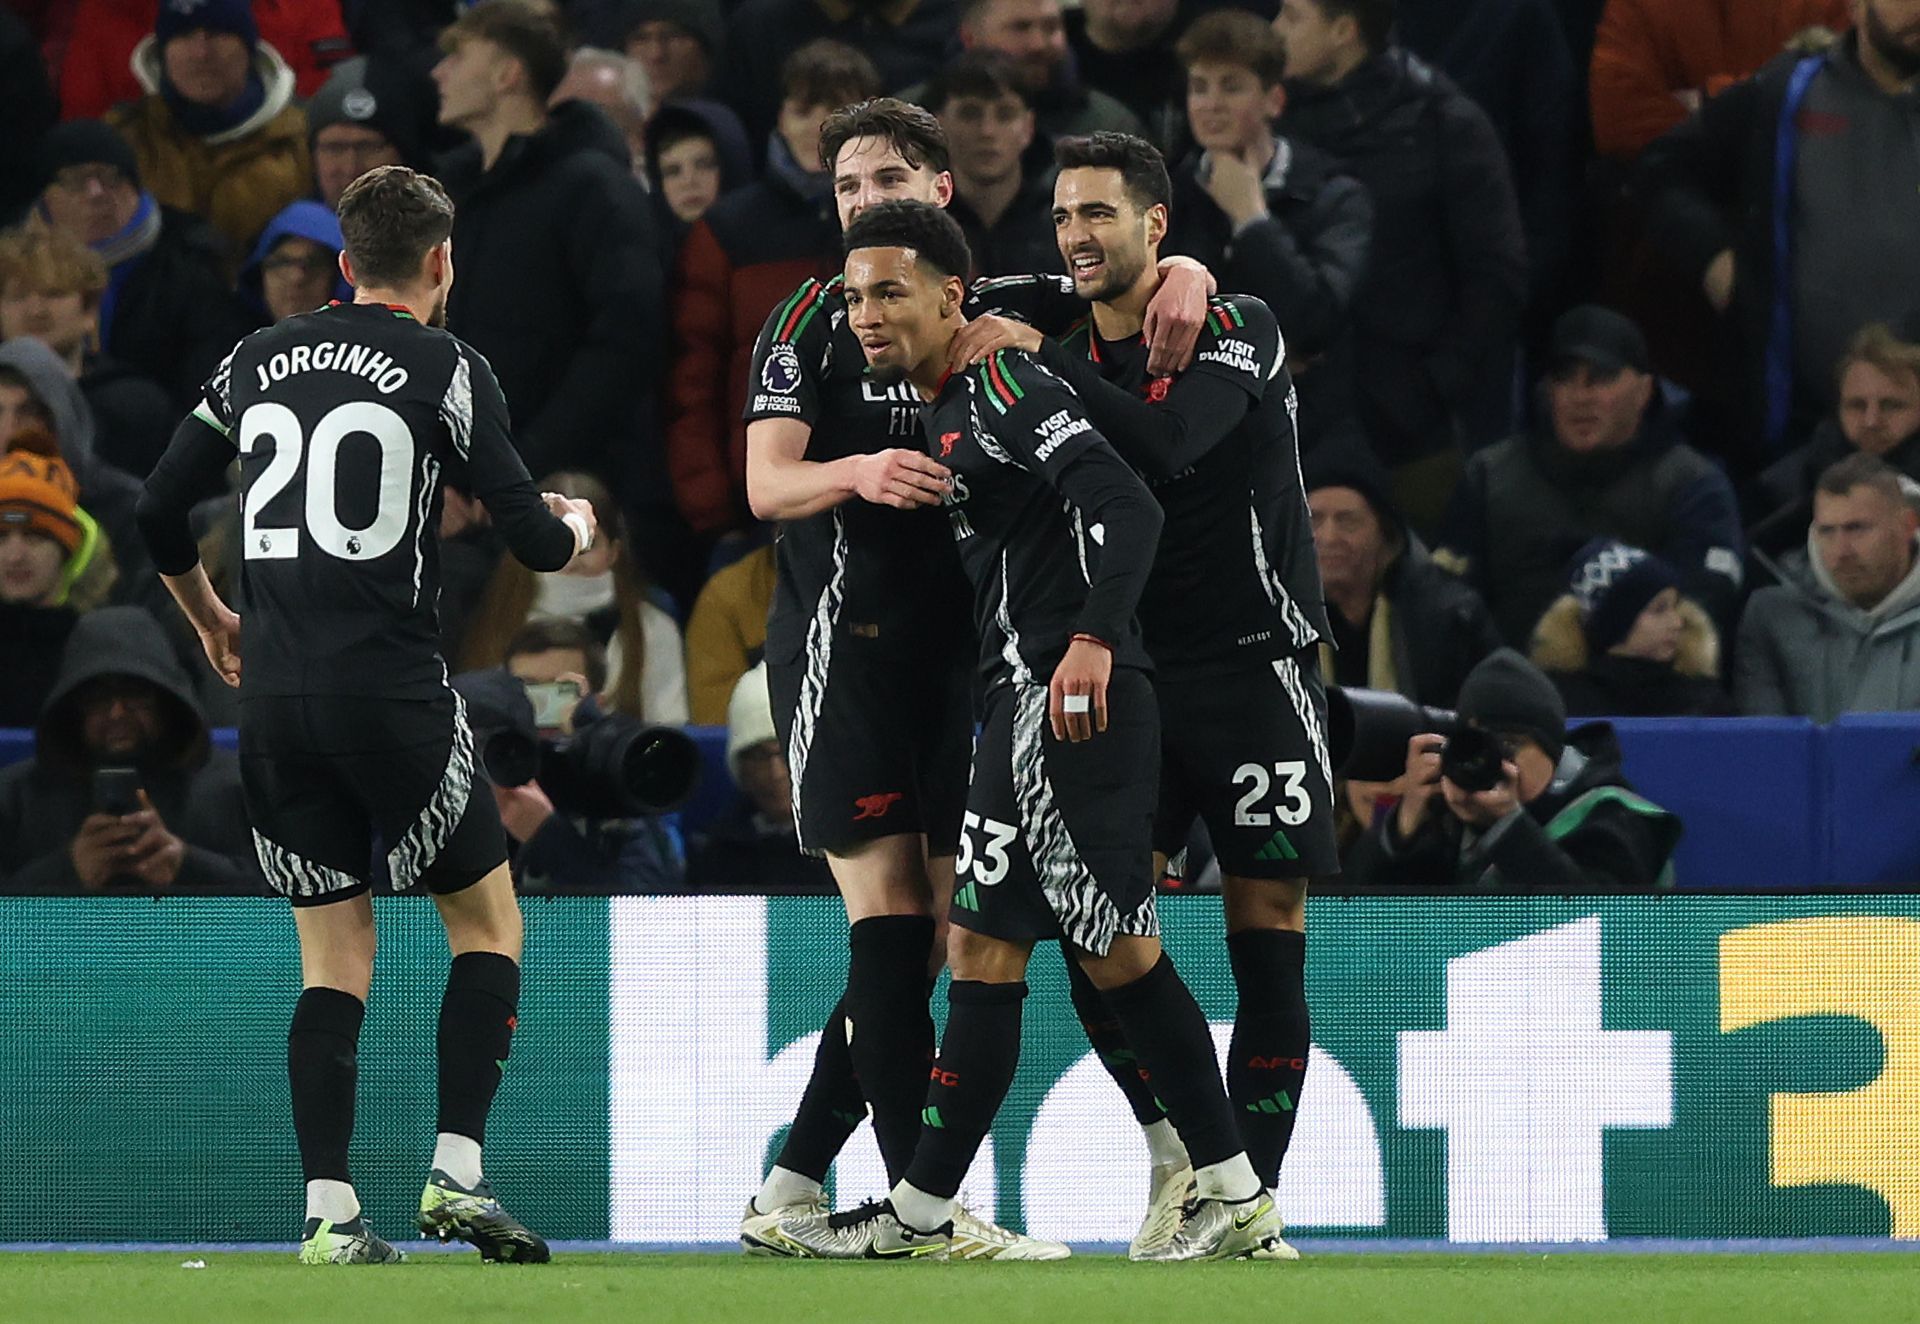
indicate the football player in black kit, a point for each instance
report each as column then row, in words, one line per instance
column 1057, row 536
column 863, row 632
column 1231, row 616
column 345, row 421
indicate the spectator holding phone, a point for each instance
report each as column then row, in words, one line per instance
column 124, row 792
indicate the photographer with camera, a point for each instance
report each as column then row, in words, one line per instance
column 1506, row 799
column 582, row 792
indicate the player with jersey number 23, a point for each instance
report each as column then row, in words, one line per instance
column 346, row 421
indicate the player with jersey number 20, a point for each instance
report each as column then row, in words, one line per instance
column 345, row 421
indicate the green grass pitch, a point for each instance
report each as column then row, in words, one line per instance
column 152, row 1288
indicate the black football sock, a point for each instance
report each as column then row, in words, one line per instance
column 1169, row 1032
column 831, row 1107
column 478, row 1014
column 969, row 1081
column 1271, row 1038
column 1110, row 1042
column 892, row 1027
column 323, row 1048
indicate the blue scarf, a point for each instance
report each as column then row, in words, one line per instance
column 122, row 252
column 205, row 121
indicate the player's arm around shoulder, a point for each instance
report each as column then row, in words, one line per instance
column 791, row 360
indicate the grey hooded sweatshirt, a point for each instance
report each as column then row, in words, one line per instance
column 1806, row 651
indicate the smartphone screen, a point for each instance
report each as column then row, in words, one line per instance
column 553, row 701
column 116, row 790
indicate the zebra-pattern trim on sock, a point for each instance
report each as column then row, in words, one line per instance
column 1298, row 628
column 1088, row 919
column 421, row 845
column 813, row 685
column 456, row 406
column 290, row 875
column 1295, row 685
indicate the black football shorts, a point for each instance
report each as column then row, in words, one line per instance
column 325, row 778
column 1245, row 750
column 877, row 735
column 1057, row 841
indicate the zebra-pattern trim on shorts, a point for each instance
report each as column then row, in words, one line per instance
column 1088, row 918
column 1295, row 685
column 290, row 875
column 421, row 844
column 813, row 685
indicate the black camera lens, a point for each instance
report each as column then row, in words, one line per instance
column 1471, row 759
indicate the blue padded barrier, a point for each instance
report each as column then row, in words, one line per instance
column 1751, row 792
column 1769, row 803
column 1873, row 790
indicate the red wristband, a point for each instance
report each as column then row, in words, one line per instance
column 1092, row 639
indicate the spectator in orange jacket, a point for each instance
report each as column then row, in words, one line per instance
column 744, row 256
column 97, row 73
column 1655, row 61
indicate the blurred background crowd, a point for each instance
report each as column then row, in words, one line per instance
column 1604, row 317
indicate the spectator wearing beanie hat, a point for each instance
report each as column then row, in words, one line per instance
column 46, row 542
column 752, row 846
column 1563, row 817
column 166, row 312
column 680, row 43
column 218, row 133
column 97, row 73
column 367, row 115
column 1622, row 642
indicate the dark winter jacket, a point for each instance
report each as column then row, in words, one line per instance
column 1526, row 505
column 31, row 642
column 1148, row 81
column 1782, row 496
column 1511, row 57
column 27, row 108
column 1435, row 630
column 1447, row 278
column 168, row 313
column 194, row 788
column 1306, row 259
column 743, row 852
column 1713, row 184
column 907, row 40
column 749, row 252
column 134, row 416
column 1610, row 686
column 559, row 285
column 1022, row 240
column 1588, row 831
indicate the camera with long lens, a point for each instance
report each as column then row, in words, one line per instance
column 612, row 766
column 1369, row 731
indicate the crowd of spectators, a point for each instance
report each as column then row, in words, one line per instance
column 1604, row 317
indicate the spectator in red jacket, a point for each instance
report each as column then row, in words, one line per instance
column 1654, row 62
column 746, row 254
column 97, row 73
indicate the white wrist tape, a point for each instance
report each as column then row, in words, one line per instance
column 582, row 531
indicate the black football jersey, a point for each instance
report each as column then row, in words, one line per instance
column 874, row 570
column 1236, row 576
column 345, row 421
column 1027, row 482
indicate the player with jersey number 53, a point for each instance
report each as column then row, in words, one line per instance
column 345, row 421
column 1057, row 536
